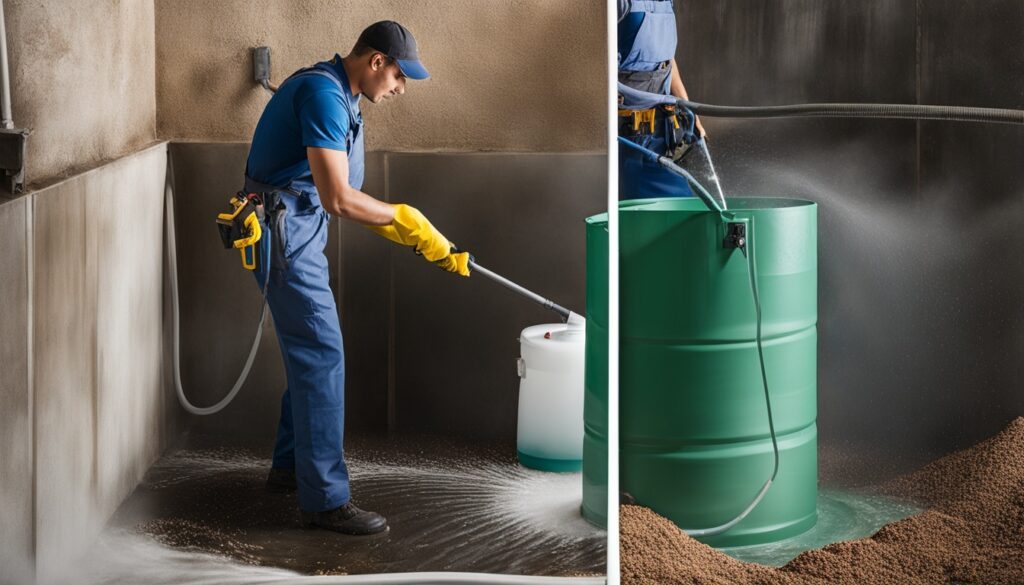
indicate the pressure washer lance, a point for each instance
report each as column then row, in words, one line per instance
column 568, row 316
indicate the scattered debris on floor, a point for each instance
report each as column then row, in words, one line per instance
column 195, row 536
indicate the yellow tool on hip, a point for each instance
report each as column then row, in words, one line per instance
column 240, row 226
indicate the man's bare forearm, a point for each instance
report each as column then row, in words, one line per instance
column 351, row 203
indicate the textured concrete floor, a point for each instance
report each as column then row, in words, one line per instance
column 451, row 505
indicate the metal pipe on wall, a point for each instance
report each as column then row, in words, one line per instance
column 5, row 76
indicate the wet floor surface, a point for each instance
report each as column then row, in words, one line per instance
column 451, row 506
column 843, row 514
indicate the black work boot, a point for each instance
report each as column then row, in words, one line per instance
column 281, row 480
column 347, row 519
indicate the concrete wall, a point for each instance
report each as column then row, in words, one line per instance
column 81, row 280
column 425, row 351
column 84, row 413
column 82, row 80
column 506, row 75
column 920, row 321
column 16, row 481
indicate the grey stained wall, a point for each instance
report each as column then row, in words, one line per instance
column 81, row 280
column 921, row 326
column 16, row 481
column 84, row 414
column 82, row 79
column 425, row 350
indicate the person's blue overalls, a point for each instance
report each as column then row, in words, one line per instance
column 646, row 46
column 314, row 107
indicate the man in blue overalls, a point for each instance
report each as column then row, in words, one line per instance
column 306, row 161
column 647, row 48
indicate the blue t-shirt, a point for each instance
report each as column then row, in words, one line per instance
column 311, row 110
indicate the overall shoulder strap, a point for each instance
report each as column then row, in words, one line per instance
column 318, row 70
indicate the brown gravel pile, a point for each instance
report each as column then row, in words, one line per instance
column 653, row 550
column 984, row 483
column 972, row 533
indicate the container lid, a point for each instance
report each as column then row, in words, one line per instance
column 554, row 333
column 569, row 334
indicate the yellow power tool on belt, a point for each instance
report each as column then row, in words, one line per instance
column 240, row 226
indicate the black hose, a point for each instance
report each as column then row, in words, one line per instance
column 636, row 99
column 892, row 111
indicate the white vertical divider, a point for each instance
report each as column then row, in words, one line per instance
column 613, row 294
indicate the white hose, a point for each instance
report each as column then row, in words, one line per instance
column 176, row 317
column 443, row 578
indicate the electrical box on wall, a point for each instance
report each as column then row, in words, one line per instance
column 12, row 159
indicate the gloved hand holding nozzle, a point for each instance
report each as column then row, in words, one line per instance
column 411, row 228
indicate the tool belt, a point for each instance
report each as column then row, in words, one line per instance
column 674, row 125
column 254, row 224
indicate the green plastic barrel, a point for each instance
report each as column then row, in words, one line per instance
column 694, row 437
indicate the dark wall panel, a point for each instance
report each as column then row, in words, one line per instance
column 365, row 289
column 972, row 192
column 774, row 52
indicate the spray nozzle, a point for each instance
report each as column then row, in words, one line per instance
column 735, row 236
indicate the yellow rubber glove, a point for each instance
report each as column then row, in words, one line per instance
column 411, row 228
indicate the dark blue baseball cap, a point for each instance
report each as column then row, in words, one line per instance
column 395, row 41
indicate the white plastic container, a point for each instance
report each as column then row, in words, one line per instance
column 550, row 429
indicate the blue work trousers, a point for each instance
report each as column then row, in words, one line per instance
column 310, row 431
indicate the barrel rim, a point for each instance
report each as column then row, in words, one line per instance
column 686, row 203
column 646, row 204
